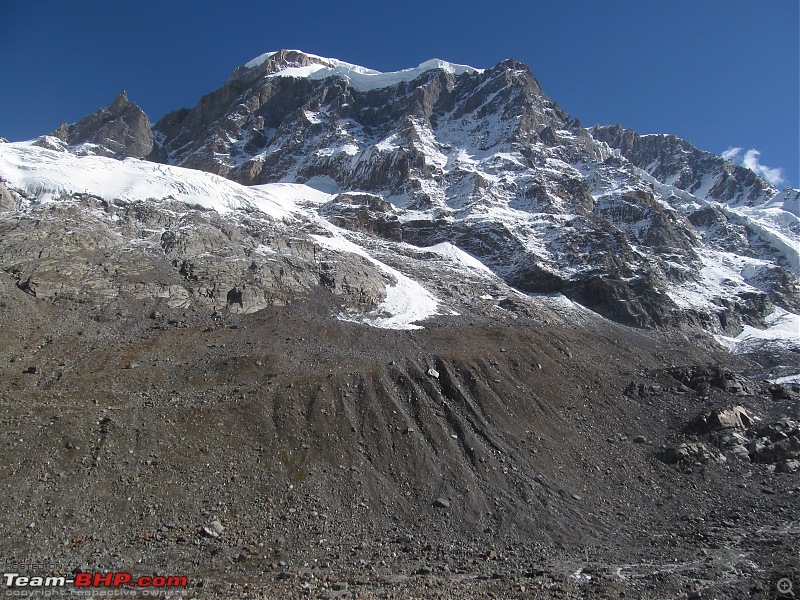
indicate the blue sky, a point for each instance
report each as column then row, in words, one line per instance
column 722, row 74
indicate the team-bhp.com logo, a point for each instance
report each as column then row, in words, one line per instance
column 94, row 580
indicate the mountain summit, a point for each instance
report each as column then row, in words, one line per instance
column 119, row 130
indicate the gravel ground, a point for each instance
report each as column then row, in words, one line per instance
column 287, row 454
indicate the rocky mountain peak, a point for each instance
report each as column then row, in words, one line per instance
column 120, row 104
column 485, row 160
column 120, row 130
column 360, row 78
column 559, row 415
column 638, row 228
column 272, row 62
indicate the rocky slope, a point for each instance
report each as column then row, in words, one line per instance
column 286, row 453
column 677, row 162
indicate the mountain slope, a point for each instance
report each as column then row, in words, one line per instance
column 678, row 163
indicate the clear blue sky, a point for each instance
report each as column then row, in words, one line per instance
column 720, row 73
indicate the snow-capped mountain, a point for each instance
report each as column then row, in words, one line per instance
column 431, row 190
column 335, row 331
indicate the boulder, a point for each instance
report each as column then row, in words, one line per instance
column 690, row 452
column 719, row 419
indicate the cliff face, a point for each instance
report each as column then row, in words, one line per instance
column 675, row 161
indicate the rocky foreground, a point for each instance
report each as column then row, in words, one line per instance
column 290, row 454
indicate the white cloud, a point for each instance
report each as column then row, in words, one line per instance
column 732, row 154
column 750, row 161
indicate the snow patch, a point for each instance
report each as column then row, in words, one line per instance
column 360, row 78
column 457, row 255
column 47, row 176
column 324, row 183
column 791, row 379
column 259, row 60
column 390, row 143
column 783, row 328
column 406, row 301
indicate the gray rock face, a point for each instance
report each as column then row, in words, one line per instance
column 119, row 130
column 105, row 256
column 364, row 212
column 288, row 116
column 702, row 378
column 258, row 128
column 776, row 442
column 671, row 159
column 736, row 417
column 691, row 452
column 8, row 200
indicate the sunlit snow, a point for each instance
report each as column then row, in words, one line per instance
column 360, row 78
column 47, row 175
column 406, row 301
column 782, row 327
column 456, row 254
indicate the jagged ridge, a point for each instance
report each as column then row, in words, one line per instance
column 647, row 230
